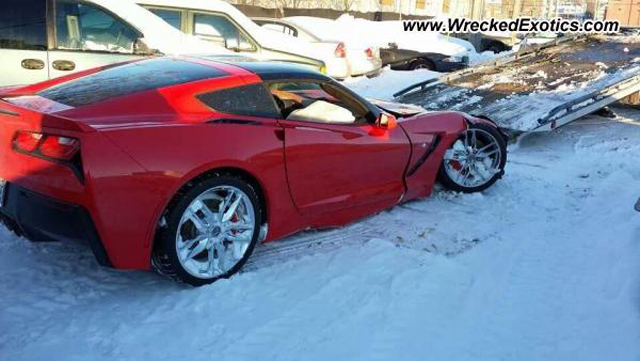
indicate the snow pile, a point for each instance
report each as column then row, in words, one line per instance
column 485, row 57
column 388, row 82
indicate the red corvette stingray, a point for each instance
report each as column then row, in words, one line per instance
column 184, row 164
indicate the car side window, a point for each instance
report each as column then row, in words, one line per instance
column 172, row 17
column 281, row 28
column 316, row 102
column 250, row 99
column 220, row 29
column 288, row 30
column 80, row 26
column 23, row 25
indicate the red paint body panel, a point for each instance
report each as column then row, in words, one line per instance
column 138, row 150
column 330, row 166
column 423, row 130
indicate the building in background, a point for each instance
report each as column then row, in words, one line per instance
column 627, row 12
column 405, row 7
column 596, row 9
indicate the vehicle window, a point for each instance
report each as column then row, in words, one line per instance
column 316, row 102
column 23, row 25
column 127, row 79
column 80, row 26
column 220, row 29
column 246, row 100
column 290, row 31
column 281, row 28
column 172, row 17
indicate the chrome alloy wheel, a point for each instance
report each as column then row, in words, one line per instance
column 215, row 232
column 473, row 159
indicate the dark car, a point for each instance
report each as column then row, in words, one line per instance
column 405, row 59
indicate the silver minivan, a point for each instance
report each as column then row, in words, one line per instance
column 44, row 39
column 220, row 23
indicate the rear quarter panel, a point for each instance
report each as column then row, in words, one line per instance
column 174, row 154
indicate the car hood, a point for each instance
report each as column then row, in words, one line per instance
column 399, row 110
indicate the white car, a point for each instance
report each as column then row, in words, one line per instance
column 221, row 23
column 39, row 41
column 361, row 57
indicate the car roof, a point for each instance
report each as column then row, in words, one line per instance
column 269, row 70
column 159, row 72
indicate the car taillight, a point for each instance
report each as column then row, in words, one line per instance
column 46, row 145
column 340, row 51
column 59, row 147
column 369, row 53
column 27, row 141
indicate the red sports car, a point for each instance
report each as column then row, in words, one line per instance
column 184, row 164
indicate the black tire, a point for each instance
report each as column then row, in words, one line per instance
column 422, row 64
column 449, row 183
column 165, row 258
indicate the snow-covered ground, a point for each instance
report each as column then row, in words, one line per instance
column 545, row 265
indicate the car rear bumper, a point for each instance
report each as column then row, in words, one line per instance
column 41, row 218
column 370, row 67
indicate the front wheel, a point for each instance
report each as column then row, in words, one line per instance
column 210, row 232
column 475, row 161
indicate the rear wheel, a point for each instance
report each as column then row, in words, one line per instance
column 422, row 64
column 475, row 161
column 210, row 232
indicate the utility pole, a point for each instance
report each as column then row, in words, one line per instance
column 477, row 9
column 517, row 7
column 477, row 13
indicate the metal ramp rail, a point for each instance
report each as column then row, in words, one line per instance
column 542, row 88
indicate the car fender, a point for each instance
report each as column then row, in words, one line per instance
column 430, row 133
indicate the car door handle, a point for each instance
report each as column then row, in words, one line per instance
column 64, row 65
column 33, row 64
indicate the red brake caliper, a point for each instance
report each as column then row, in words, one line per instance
column 456, row 165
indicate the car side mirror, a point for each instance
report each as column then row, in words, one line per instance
column 232, row 44
column 237, row 45
column 141, row 48
column 386, row 121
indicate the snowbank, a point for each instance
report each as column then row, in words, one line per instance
column 543, row 266
column 388, row 82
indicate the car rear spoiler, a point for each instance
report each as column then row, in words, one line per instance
column 35, row 119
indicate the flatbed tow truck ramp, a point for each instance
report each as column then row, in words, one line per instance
column 542, row 88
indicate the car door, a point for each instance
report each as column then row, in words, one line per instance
column 23, row 42
column 88, row 36
column 335, row 157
